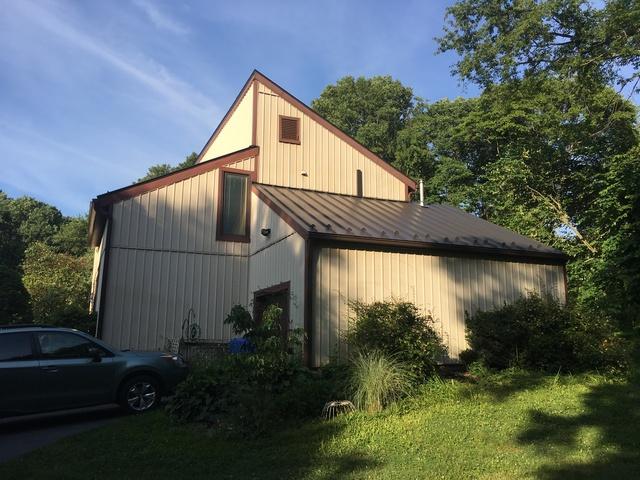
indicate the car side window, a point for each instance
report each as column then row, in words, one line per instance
column 15, row 347
column 66, row 345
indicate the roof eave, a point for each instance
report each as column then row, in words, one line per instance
column 559, row 258
column 139, row 188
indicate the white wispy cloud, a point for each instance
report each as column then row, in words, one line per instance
column 178, row 93
column 39, row 166
column 159, row 19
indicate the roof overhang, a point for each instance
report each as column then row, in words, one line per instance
column 336, row 219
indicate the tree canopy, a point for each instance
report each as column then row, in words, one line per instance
column 371, row 110
column 36, row 237
column 500, row 41
column 164, row 168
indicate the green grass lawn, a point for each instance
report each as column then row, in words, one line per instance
column 514, row 426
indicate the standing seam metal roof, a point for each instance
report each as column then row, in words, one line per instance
column 330, row 215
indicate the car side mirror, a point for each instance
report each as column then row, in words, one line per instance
column 95, row 355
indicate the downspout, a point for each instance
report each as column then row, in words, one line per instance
column 308, row 323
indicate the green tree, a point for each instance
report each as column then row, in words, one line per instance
column 14, row 299
column 59, row 285
column 371, row 110
column 37, row 221
column 11, row 246
column 499, row 41
column 44, row 282
column 609, row 281
column 439, row 130
column 164, row 168
column 189, row 161
column 71, row 237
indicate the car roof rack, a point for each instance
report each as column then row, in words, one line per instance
column 17, row 326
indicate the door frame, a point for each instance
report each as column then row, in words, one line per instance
column 284, row 287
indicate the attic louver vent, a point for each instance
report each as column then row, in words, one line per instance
column 289, row 129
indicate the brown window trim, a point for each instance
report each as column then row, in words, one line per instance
column 246, row 238
column 287, row 140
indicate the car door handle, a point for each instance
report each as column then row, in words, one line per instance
column 51, row 369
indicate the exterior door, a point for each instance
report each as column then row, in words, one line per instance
column 276, row 295
column 74, row 370
column 19, row 374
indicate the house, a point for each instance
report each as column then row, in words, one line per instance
column 283, row 207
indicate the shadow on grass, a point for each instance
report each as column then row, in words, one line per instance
column 500, row 386
column 611, row 412
column 150, row 446
column 307, row 453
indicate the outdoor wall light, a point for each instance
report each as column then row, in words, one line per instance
column 265, row 231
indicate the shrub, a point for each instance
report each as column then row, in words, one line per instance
column 378, row 380
column 247, row 396
column 396, row 329
column 197, row 398
column 251, row 392
column 537, row 332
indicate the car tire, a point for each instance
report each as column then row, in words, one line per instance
column 139, row 394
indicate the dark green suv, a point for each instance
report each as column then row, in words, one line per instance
column 47, row 368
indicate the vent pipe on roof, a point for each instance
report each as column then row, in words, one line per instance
column 421, row 193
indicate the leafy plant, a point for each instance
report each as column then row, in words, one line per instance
column 537, row 332
column 378, row 380
column 59, row 285
column 265, row 386
column 396, row 329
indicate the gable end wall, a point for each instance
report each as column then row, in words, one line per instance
column 329, row 162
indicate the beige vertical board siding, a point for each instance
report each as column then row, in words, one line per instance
column 277, row 258
column 246, row 164
column 150, row 293
column 236, row 133
column 329, row 161
column 445, row 287
column 164, row 259
column 179, row 217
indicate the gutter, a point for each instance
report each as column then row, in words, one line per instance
column 442, row 249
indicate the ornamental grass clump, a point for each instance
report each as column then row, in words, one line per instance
column 378, row 380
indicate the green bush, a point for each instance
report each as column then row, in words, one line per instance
column 378, row 380
column 197, row 398
column 537, row 332
column 247, row 395
column 252, row 392
column 396, row 329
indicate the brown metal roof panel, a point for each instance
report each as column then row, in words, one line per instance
column 369, row 219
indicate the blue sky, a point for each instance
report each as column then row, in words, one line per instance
column 93, row 92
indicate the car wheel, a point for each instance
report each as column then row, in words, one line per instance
column 139, row 394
